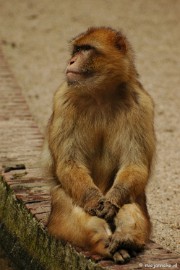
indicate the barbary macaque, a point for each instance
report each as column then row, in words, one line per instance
column 100, row 145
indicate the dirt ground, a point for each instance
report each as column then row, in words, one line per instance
column 34, row 36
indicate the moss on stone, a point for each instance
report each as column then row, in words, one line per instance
column 28, row 243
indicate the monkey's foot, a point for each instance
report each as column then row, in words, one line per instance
column 123, row 256
column 123, row 247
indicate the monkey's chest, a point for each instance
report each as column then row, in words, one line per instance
column 101, row 149
column 94, row 141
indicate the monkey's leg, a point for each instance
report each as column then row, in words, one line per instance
column 132, row 232
column 71, row 223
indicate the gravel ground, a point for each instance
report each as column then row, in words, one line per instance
column 34, row 36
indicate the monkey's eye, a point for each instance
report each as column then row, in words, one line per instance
column 82, row 48
column 76, row 49
column 86, row 47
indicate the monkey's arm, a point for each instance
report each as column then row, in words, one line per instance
column 134, row 169
column 138, row 149
column 77, row 182
column 129, row 183
column 68, row 162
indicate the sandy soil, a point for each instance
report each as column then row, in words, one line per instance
column 34, row 36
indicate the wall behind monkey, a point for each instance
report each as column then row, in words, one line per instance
column 34, row 37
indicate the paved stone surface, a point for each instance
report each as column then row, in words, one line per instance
column 20, row 143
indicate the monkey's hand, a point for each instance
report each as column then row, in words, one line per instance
column 108, row 211
column 97, row 205
column 102, row 208
column 94, row 206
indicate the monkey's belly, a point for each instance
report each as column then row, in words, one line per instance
column 103, row 172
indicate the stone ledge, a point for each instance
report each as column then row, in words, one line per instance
column 27, row 242
column 25, row 199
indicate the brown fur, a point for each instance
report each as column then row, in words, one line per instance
column 71, row 223
column 101, row 137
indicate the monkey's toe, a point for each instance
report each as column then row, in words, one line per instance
column 124, row 253
column 122, row 256
column 118, row 258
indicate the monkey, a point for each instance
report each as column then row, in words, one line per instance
column 100, row 145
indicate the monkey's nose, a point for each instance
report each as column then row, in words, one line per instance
column 71, row 62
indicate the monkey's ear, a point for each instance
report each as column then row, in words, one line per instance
column 121, row 42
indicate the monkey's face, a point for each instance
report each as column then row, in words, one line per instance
column 100, row 57
column 80, row 67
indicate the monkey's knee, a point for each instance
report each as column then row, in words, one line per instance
column 134, row 220
column 132, row 229
column 61, row 208
column 98, row 233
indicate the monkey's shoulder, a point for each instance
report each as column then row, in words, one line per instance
column 144, row 99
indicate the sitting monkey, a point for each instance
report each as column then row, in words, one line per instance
column 99, row 148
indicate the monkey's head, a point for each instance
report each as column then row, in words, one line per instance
column 100, row 57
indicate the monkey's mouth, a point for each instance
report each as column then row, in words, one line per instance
column 73, row 76
column 69, row 72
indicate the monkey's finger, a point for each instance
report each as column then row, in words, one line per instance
column 108, row 212
column 100, row 206
column 102, row 213
column 91, row 212
column 111, row 211
column 110, row 215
